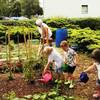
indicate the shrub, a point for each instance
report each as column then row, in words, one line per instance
column 76, row 23
column 26, row 23
column 92, row 23
column 86, row 39
column 56, row 22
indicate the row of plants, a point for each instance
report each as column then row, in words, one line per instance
column 17, row 31
column 85, row 39
column 26, row 23
column 52, row 95
column 58, row 22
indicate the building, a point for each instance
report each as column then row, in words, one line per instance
column 71, row 8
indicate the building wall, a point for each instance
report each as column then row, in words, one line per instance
column 71, row 8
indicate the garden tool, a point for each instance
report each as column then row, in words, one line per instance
column 41, row 47
column 46, row 77
column 84, row 77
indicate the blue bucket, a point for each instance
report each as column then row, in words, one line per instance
column 61, row 34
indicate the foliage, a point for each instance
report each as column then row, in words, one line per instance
column 27, row 23
column 15, row 9
column 31, row 7
column 56, row 22
column 86, row 39
column 33, row 65
column 92, row 23
column 3, row 7
column 20, row 7
column 9, row 96
column 75, row 23
column 28, row 70
column 52, row 95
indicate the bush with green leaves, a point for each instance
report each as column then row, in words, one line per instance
column 27, row 23
column 52, row 95
column 74, row 23
column 60, row 22
column 86, row 39
column 92, row 23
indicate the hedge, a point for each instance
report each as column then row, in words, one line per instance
column 58, row 22
column 27, row 23
column 85, row 39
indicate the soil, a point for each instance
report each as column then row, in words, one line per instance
column 81, row 91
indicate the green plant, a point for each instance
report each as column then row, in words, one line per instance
column 10, row 67
column 9, row 96
column 86, row 39
column 28, row 70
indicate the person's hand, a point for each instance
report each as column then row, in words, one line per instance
column 44, row 71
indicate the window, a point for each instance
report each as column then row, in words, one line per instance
column 84, row 9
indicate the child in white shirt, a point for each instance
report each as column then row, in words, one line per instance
column 54, row 58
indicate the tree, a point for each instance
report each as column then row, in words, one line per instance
column 31, row 7
column 39, row 10
column 16, row 9
column 3, row 7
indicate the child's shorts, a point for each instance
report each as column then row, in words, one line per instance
column 98, row 82
column 70, row 69
column 58, row 70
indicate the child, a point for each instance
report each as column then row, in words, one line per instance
column 41, row 47
column 70, row 60
column 96, row 65
column 54, row 58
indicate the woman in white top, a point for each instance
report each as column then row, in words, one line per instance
column 44, row 30
column 54, row 58
column 96, row 65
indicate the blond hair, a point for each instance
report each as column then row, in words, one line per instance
column 64, row 43
column 47, row 50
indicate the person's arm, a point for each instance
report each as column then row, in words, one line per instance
column 46, row 67
column 90, row 68
column 76, row 59
column 45, row 34
column 64, row 58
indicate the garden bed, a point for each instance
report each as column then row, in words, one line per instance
column 81, row 91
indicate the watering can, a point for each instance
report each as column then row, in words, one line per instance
column 84, row 77
column 46, row 77
column 64, row 67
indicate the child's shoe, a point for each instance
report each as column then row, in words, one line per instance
column 96, row 94
column 71, row 85
column 66, row 83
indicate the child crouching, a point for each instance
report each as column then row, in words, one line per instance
column 55, row 59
